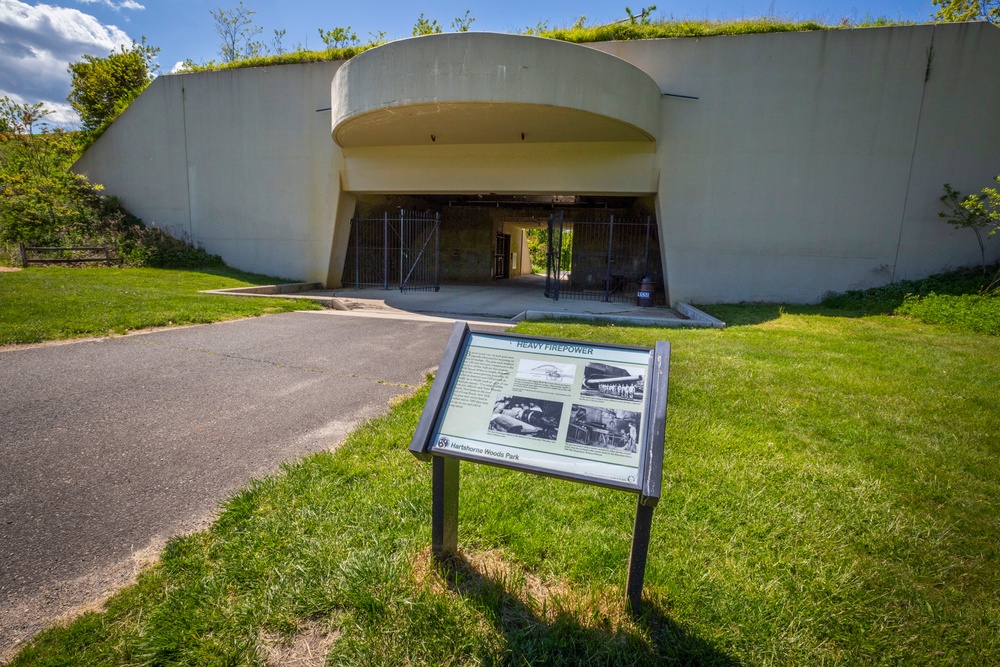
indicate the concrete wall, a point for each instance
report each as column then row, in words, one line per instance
column 814, row 161
column 809, row 162
column 957, row 142
column 239, row 161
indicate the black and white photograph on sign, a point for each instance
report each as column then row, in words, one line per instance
column 604, row 427
column 546, row 371
column 526, row 416
column 617, row 382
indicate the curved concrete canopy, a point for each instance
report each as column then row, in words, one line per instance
column 473, row 88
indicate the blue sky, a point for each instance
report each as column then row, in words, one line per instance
column 39, row 39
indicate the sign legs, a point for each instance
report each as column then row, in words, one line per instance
column 444, row 508
column 637, row 557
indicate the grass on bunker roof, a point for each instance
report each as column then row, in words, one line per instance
column 830, row 493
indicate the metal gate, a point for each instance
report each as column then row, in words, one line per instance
column 554, row 275
column 609, row 259
column 389, row 252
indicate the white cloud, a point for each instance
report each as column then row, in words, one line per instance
column 125, row 4
column 37, row 44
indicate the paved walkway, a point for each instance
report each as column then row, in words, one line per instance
column 109, row 447
column 509, row 300
column 501, row 299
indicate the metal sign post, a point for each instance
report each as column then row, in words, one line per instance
column 574, row 410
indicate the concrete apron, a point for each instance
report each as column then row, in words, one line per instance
column 509, row 302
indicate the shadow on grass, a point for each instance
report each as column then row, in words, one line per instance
column 237, row 274
column 748, row 314
column 552, row 634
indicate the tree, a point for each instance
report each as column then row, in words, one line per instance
column 462, row 23
column 338, row 38
column 642, row 18
column 977, row 212
column 18, row 120
column 237, row 30
column 538, row 250
column 19, row 149
column 967, row 10
column 992, row 196
column 377, row 38
column 425, row 27
column 103, row 87
column 540, row 27
column 276, row 44
column 43, row 202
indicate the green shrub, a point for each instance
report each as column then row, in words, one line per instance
column 886, row 299
column 137, row 245
column 44, row 203
column 970, row 312
column 961, row 300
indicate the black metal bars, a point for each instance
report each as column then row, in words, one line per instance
column 395, row 252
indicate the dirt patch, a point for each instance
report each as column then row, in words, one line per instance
column 9, row 269
column 307, row 648
column 491, row 575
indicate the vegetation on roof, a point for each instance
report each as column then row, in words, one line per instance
column 291, row 58
column 578, row 33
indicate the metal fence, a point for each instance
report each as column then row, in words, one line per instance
column 610, row 258
column 394, row 251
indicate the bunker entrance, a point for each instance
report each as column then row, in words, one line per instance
column 583, row 247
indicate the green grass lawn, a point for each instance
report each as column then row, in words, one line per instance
column 39, row 304
column 830, row 496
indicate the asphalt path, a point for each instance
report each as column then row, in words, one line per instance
column 109, row 447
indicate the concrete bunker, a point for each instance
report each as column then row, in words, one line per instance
column 759, row 151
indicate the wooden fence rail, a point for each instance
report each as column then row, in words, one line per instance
column 62, row 260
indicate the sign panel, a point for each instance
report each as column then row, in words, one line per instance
column 563, row 408
column 571, row 409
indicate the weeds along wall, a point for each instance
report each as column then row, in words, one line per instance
column 809, row 162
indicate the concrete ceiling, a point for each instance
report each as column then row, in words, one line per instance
column 482, row 123
column 471, row 88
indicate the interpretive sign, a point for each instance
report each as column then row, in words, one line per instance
column 587, row 412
